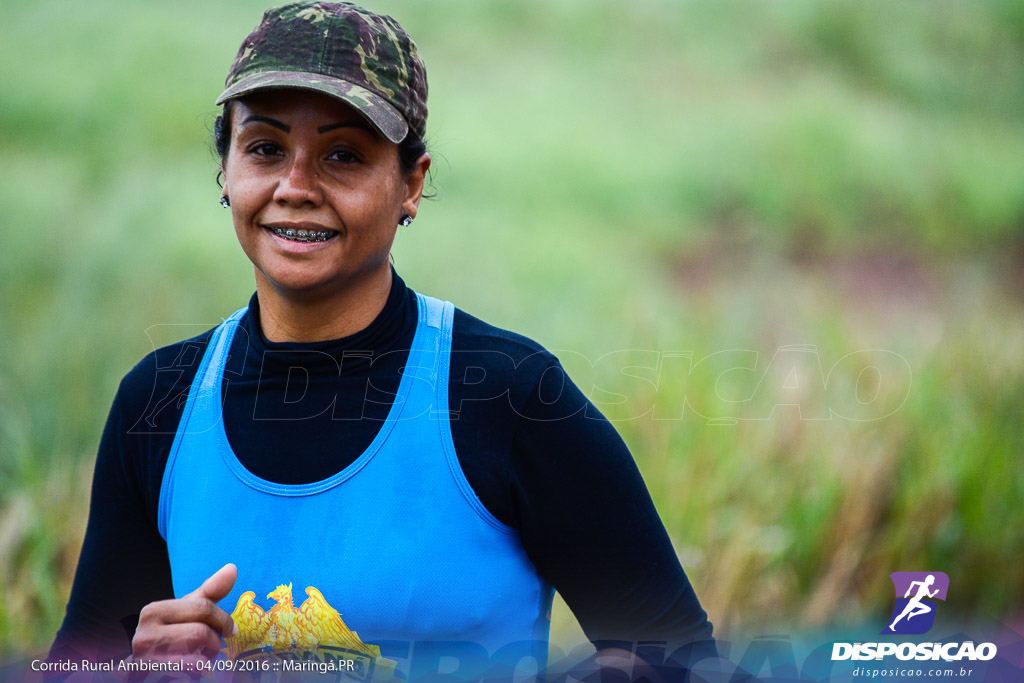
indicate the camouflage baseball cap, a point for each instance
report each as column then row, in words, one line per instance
column 364, row 59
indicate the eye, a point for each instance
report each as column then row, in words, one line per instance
column 343, row 155
column 264, row 149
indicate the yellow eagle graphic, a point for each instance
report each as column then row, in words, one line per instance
column 315, row 624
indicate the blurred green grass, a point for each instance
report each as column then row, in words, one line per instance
column 660, row 176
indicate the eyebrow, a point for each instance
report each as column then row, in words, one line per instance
column 266, row 119
column 362, row 125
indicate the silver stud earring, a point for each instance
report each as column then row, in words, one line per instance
column 406, row 221
column 224, row 201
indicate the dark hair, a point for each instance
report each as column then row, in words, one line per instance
column 409, row 150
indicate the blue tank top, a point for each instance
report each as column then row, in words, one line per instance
column 391, row 564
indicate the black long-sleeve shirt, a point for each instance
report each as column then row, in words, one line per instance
column 537, row 453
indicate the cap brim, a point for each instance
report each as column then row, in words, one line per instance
column 373, row 107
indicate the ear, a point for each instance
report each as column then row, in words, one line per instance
column 222, row 178
column 414, row 185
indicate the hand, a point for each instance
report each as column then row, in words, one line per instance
column 187, row 629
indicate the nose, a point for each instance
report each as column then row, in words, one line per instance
column 300, row 183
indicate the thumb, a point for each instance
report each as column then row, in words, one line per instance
column 219, row 584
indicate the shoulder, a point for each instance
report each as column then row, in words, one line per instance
column 489, row 362
column 151, row 395
column 473, row 334
column 143, row 420
column 505, row 353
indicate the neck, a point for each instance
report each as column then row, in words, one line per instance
column 286, row 316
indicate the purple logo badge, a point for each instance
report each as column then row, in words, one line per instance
column 914, row 614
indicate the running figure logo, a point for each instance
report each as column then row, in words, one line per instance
column 913, row 613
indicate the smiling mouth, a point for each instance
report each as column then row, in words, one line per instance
column 304, row 235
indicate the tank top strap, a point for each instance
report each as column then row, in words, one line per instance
column 204, row 387
column 221, row 346
column 429, row 359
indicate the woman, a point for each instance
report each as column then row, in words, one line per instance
column 424, row 474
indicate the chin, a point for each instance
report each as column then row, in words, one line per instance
column 297, row 283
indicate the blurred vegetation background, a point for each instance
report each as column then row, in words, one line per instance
column 660, row 191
